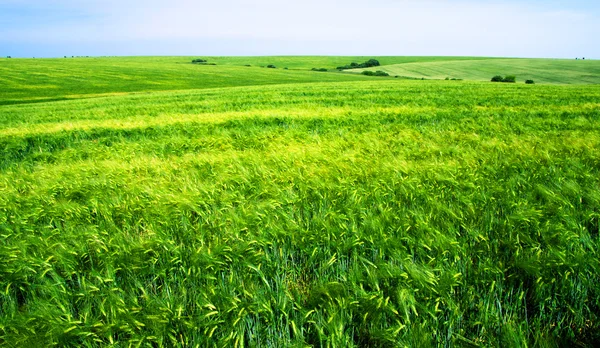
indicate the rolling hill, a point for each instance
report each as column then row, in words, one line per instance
column 554, row 71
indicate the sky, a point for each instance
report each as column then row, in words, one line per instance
column 499, row 28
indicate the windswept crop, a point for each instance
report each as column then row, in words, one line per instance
column 373, row 214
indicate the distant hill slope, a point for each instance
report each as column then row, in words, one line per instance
column 34, row 80
column 39, row 80
column 555, row 71
column 331, row 62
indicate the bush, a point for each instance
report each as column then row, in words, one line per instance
column 376, row 73
column 271, row 66
column 529, row 82
column 199, row 60
column 372, row 62
column 508, row 78
column 247, row 65
column 319, row 69
column 368, row 64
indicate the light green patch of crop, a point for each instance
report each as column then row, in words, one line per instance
column 363, row 213
column 552, row 71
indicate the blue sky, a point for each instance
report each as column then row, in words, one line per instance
column 534, row 28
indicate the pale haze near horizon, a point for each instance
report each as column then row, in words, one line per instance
column 53, row 28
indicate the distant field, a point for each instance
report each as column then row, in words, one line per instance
column 37, row 80
column 34, row 80
column 329, row 62
column 555, row 71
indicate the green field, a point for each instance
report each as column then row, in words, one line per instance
column 35, row 80
column 269, row 207
column 555, row 71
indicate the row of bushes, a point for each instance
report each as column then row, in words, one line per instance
column 202, row 61
column 319, row 69
column 368, row 64
column 375, row 73
column 509, row 79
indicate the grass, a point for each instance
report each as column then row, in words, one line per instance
column 39, row 80
column 362, row 213
column 552, row 71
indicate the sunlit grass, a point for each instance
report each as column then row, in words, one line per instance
column 552, row 71
column 379, row 213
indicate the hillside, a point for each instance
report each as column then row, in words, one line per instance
column 36, row 80
column 554, row 71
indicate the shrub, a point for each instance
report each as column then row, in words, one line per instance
column 319, row 69
column 247, row 65
column 376, row 73
column 529, row 82
column 372, row 62
column 199, row 60
column 368, row 64
column 508, row 78
column 271, row 66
